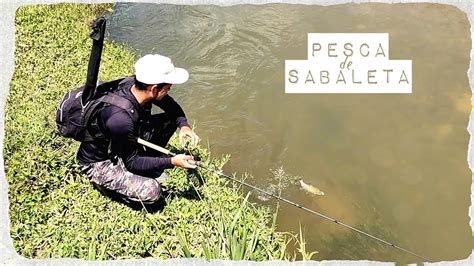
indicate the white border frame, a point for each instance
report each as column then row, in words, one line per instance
column 8, row 8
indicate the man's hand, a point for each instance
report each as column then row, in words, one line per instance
column 188, row 132
column 184, row 161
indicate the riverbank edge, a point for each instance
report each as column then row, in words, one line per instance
column 48, row 194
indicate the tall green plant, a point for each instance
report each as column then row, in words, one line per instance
column 302, row 247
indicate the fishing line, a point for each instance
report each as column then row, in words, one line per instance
column 220, row 173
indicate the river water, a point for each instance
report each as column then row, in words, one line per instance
column 392, row 164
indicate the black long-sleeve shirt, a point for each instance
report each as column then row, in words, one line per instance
column 122, row 132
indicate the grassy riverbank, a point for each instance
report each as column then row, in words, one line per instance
column 54, row 211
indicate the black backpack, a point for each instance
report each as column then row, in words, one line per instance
column 77, row 109
column 74, row 119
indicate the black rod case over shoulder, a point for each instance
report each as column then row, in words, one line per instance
column 81, row 104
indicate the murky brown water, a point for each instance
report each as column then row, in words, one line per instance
column 394, row 165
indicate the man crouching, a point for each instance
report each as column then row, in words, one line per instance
column 114, row 162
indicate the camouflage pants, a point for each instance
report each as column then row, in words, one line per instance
column 113, row 178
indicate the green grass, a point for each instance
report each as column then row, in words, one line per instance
column 55, row 212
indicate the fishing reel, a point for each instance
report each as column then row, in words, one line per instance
column 187, row 149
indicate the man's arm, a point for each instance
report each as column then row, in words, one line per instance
column 123, row 133
column 172, row 108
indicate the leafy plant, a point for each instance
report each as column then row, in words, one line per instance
column 302, row 247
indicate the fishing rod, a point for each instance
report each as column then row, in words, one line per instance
column 220, row 173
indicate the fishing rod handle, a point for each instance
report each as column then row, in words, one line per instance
column 155, row 147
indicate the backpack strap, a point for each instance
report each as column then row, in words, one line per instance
column 110, row 99
column 108, row 86
column 123, row 103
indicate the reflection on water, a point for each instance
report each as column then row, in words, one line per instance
column 395, row 165
column 351, row 244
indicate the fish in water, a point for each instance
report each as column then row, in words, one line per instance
column 311, row 189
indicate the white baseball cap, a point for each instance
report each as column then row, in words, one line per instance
column 156, row 69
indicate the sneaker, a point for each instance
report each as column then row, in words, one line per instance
column 162, row 177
